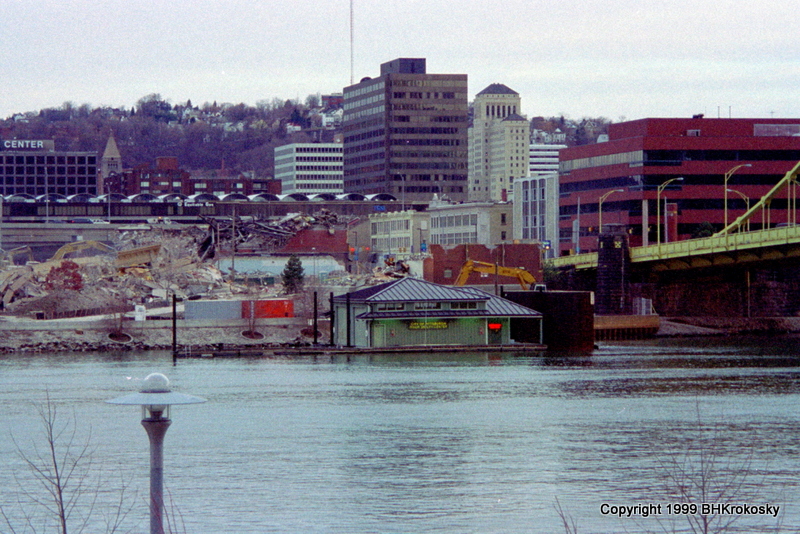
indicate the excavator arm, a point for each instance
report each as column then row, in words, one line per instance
column 524, row 278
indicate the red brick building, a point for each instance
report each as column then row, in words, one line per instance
column 167, row 177
column 444, row 265
column 682, row 163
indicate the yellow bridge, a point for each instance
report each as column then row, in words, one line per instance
column 760, row 245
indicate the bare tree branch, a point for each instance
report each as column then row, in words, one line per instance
column 66, row 484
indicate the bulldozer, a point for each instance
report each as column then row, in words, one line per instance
column 525, row 279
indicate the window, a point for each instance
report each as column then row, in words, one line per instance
column 427, row 305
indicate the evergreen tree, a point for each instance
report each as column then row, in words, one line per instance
column 704, row 229
column 293, row 275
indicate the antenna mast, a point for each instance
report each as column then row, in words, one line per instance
column 351, row 42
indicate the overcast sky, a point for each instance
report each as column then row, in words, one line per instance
column 588, row 58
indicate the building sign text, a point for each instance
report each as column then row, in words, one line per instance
column 28, row 144
column 432, row 325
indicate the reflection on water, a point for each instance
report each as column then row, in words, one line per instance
column 465, row 442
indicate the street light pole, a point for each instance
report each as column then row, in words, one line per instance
column 578, row 232
column 658, row 205
column 108, row 198
column 725, row 186
column 155, row 398
column 600, row 208
column 746, row 202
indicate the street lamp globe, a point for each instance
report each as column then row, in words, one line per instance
column 155, row 398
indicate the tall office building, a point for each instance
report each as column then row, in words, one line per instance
column 498, row 144
column 536, row 211
column 405, row 133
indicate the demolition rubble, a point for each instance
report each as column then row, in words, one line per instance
column 104, row 282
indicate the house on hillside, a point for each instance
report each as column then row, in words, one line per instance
column 412, row 312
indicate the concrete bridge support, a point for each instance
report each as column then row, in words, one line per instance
column 613, row 294
column 735, row 291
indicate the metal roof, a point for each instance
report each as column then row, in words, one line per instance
column 501, row 306
column 413, row 289
column 416, row 290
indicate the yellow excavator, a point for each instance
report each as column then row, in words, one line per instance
column 82, row 248
column 525, row 279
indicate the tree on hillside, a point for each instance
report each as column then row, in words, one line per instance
column 293, row 275
column 239, row 135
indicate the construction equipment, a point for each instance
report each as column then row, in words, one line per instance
column 524, row 278
column 82, row 248
column 18, row 256
column 137, row 256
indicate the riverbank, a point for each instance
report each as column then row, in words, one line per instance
column 197, row 338
column 107, row 334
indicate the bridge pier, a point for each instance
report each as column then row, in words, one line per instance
column 758, row 287
column 613, row 293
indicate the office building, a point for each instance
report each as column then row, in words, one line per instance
column 399, row 234
column 536, row 212
column 543, row 158
column 682, row 169
column 498, row 144
column 405, row 133
column 309, row 168
column 35, row 168
column 536, row 207
column 485, row 223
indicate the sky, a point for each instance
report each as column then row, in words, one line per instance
column 618, row 59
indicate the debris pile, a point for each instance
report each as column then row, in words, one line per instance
column 150, row 266
column 253, row 235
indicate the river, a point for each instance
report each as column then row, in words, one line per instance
column 464, row 443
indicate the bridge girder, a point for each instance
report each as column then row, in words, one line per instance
column 724, row 259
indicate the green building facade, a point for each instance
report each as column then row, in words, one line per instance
column 411, row 312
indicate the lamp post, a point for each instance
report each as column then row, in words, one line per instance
column 658, row 204
column 577, row 223
column 725, row 186
column 155, row 398
column 108, row 197
column 746, row 202
column 600, row 208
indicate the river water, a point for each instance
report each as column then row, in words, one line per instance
column 464, row 443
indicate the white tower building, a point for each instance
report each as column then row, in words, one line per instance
column 498, row 144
